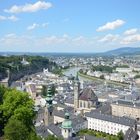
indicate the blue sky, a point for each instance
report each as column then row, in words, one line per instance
column 68, row 25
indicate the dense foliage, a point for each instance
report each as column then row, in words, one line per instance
column 108, row 69
column 103, row 68
column 137, row 76
column 16, row 114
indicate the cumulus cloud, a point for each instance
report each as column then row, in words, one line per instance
column 11, row 18
column 33, row 26
column 111, row 25
column 109, row 38
column 131, row 39
column 40, row 5
column 80, row 40
column 131, row 31
column 12, row 39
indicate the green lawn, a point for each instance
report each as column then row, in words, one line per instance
column 101, row 134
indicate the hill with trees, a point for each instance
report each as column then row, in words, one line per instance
column 17, row 70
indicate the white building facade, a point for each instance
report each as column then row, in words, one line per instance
column 108, row 124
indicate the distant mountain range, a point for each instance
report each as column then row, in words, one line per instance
column 115, row 52
column 123, row 51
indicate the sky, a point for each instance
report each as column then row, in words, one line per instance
column 68, row 25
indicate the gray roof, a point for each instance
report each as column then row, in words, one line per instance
column 55, row 130
column 130, row 134
column 105, row 109
column 42, row 130
column 69, row 100
column 127, row 103
column 60, row 113
column 135, row 96
column 40, row 114
column 114, row 119
column 78, row 120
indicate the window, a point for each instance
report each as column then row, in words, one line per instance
column 80, row 104
column 50, row 113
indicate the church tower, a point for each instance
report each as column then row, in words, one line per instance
column 76, row 93
column 66, row 127
column 49, row 116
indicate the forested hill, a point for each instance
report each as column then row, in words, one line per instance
column 18, row 69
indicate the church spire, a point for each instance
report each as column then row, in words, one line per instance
column 49, row 118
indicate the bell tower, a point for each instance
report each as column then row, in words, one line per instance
column 76, row 93
column 49, row 116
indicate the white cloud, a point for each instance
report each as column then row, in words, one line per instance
column 33, row 26
column 45, row 24
column 111, row 25
column 109, row 38
column 12, row 39
column 131, row 39
column 13, row 42
column 11, row 35
column 11, row 18
column 130, row 31
column 3, row 18
column 40, row 5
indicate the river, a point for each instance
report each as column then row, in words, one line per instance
column 73, row 71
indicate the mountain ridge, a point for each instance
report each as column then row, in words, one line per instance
column 123, row 51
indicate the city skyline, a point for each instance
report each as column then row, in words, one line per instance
column 68, row 26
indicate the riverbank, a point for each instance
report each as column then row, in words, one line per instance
column 101, row 80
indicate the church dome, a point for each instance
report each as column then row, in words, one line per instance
column 67, row 123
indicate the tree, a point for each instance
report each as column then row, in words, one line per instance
column 16, row 130
column 25, row 115
column 33, row 136
column 2, row 91
column 18, row 105
column 52, row 137
column 120, row 135
column 16, row 114
column 102, row 77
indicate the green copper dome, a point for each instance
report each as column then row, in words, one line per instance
column 67, row 123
